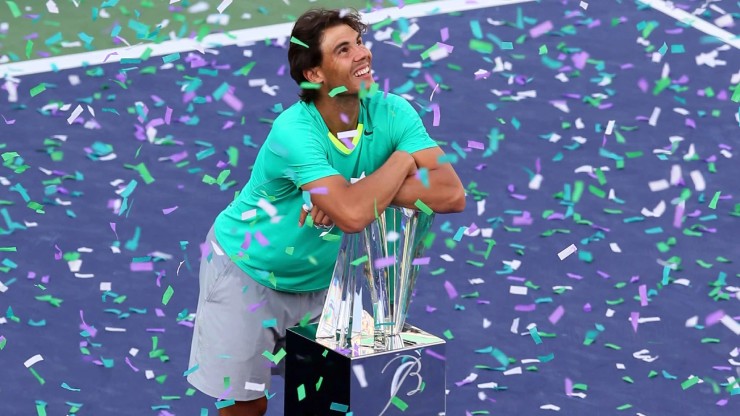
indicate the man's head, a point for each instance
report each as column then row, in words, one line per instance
column 334, row 55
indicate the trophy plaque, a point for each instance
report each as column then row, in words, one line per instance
column 362, row 358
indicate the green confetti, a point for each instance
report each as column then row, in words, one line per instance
column 38, row 377
column 736, row 95
column 423, row 207
column 337, row 90
column 481, row 46
column 274, row 358
column 301, row 392
column 399, row 403
column 38, row 89
column 297, row 41
column 40, row 408
column 690, row 382
column 310, row 85
column 167, row 295
column 715, row 199
column 360, row 260
column 143, row 172
column 305, row 320
column 14, row 10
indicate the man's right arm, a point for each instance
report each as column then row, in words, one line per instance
column 353, row 206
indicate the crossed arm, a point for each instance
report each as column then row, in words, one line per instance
column 351, row 207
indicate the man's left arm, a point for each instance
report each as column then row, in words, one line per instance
column 435, row 184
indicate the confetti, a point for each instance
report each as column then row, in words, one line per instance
column 293, row 39
column 567, row 251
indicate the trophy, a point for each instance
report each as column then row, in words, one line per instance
column 362, row 358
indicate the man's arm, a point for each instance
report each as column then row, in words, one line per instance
column 445, row 192
column 353, row 206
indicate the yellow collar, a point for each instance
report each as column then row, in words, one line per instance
column 341, row 146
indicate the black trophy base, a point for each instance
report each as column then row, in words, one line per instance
column 407, row 381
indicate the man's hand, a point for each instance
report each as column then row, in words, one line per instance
column 319, row 217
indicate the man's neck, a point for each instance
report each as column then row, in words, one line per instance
column 340, row 113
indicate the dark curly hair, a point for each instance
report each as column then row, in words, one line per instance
column 309, row 29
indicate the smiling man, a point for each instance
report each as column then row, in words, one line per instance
column 340, row 154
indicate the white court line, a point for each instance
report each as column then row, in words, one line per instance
column 697, row 23
column 36, row 66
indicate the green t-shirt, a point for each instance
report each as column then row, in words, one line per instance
column 259, row 229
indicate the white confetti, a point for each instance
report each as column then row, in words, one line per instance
column 659, row 185
column 359, row 372
column 550, row 407
column 656, row 212
column 515, row 326
column 518, row 290
column 78, row 110
column 536, row 181
column 584, row 5
column 248, row 215
column 675, row 174
column 567, row 251
column 224, row 4
column 267, row 207
column 644, row 355
column 481, row 207
column 114, row 329
column 654, row 117
column 698, row 179
column 52, row 7
column 74, row 265
column 33, row 360
column 609, row 127
column 254, row 386
column 731, row 324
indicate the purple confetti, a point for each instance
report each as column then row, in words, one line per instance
column 556, row 315
column 451, row 292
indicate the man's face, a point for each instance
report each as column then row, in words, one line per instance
column 345, row 60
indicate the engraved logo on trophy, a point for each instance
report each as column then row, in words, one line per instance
column 410, row 366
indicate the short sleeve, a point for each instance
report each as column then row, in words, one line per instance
column 296, row 152
column 408, row 129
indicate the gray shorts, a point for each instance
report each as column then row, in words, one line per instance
column 236, row 321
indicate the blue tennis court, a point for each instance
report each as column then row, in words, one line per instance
column 593, row 272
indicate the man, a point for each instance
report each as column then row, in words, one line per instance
column 265, row 272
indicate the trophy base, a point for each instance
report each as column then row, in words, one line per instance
column 407, row 380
